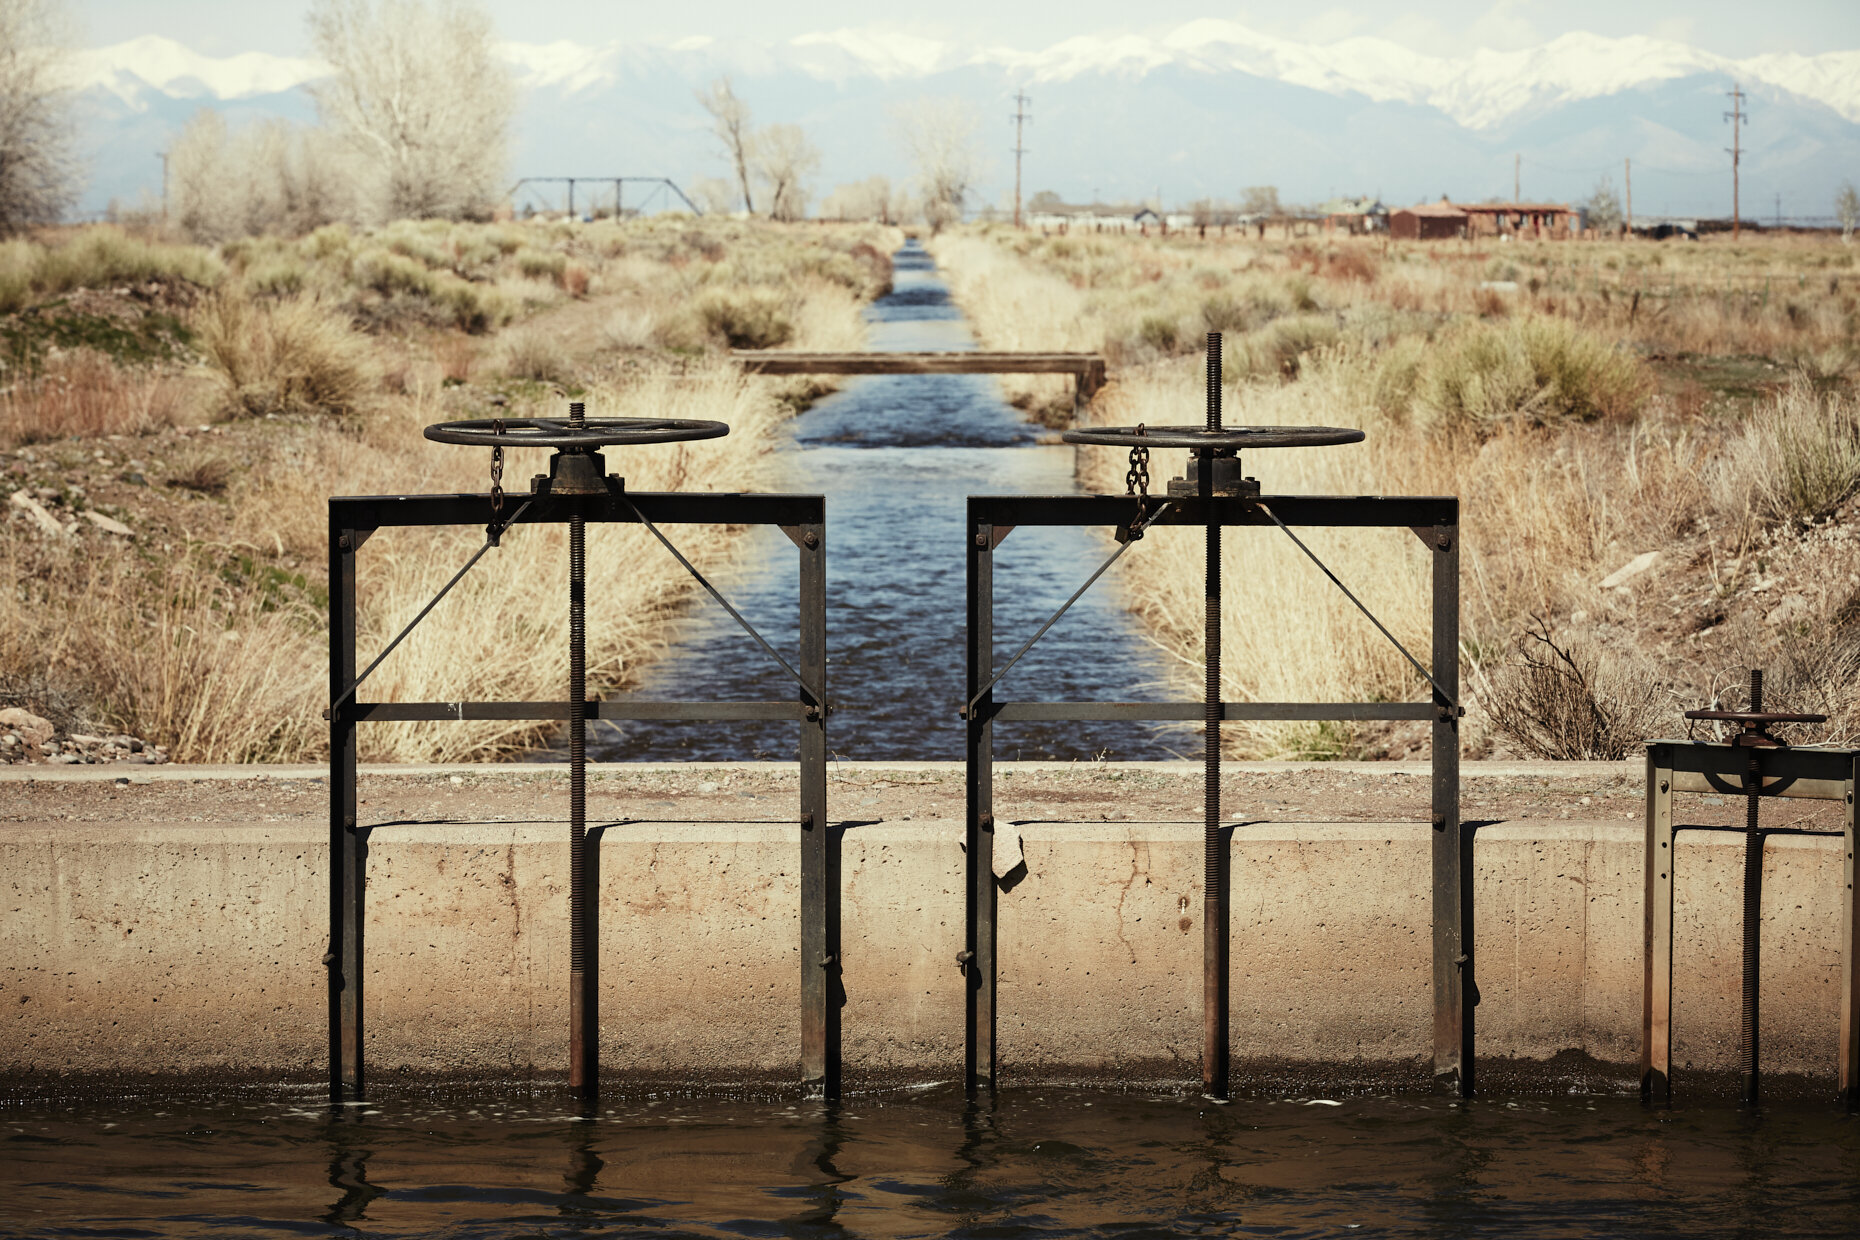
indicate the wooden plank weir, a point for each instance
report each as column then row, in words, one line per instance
column 1087, row 369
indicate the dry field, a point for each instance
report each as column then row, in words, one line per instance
column 173, row 418
column 1686, row 410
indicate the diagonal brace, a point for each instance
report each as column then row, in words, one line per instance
column 1136, row 528
column 1380, row 627
column 819, row 699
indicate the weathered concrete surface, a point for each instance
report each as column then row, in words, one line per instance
column 135, row 945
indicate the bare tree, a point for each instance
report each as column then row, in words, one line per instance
column 270, row 177
column 714, row 195
column 783, row 159
column 38, row 167
column 870, row 199
column 1603, row 208
column 420, row 94
column 1260, row 200
column 939, row 134
column 729, row 119
column 1847, row 207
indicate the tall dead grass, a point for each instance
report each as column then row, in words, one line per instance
column 300, row 354
column 84, row 393
column 222, row 657
column 1795, row 459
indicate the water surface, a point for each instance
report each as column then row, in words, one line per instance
column 897, row 456
column 1035, row 1163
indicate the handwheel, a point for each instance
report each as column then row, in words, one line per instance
column 590, row 433
column 1232, row 438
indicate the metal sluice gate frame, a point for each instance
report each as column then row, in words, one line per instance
column 1756, row 765
column 577, row 492
column 1216, row 496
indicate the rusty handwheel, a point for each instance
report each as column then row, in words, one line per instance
column 573, row 433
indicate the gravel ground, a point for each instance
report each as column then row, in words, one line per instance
column 865, row 792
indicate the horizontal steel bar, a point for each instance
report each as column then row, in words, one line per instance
column 757, row 362
column 1304, row 510
column 1011, row 712
column 373, row 512
column 402, row 712
column 1815, row 773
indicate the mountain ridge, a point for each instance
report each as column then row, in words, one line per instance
column 1480, row 91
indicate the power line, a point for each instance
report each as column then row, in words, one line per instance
column 1736, row 117
column 1021, row 117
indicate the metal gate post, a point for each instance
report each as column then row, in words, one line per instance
column 348, row 870
column 1454, row 990
column 1656, row 1020
column 1850, row 954
column 978, row 955
column 820, row 852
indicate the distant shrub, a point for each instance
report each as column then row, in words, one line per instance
column 1281, row 347
column 1223, row 312
column 1397, row 374
column 103, row 255
column 1539, row 369
column 533, row 353
column 299, row 354
column 1797, row 458
column 756, row 318
column 541, row 264
column 1159, row 332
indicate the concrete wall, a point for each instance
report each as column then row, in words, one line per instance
column 195, row 947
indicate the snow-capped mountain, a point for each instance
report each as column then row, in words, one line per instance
column 1201, row 109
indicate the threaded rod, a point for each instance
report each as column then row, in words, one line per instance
column 1753, row 907
column 1214, row 1066
column 583, row 981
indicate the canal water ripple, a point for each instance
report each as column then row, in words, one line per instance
column 896, row 457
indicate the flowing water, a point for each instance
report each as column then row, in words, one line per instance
column 897, row 456
column 922, row 1163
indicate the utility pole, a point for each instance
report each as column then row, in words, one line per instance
column 1517, row 177
column 1021, row 117
column 1736, row 117
column 1630, row 198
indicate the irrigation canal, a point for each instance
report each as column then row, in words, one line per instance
column 897, row 456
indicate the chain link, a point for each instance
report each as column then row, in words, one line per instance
column 495, row 529
column 1137, row 483
column 1137, row 480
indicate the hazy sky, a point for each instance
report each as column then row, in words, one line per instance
column 1441, row 27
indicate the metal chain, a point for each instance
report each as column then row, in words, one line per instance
column 1137, row 480
column 1137, row 483
column 493, row 530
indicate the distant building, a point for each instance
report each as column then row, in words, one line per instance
column 1554, row 220
column 1356, row 216
column 1429, row 221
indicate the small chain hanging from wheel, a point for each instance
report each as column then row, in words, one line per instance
column 1137, row 483
column 495, row 529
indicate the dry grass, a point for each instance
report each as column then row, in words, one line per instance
column 204, row 630
column 296, row 355
column 1536, row 407
column 86, row 394
column 1796, row 458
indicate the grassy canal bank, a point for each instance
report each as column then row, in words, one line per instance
column 173, row 418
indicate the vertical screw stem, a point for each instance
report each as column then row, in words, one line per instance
column 1214, row 1068
column 1753, row 908
column 584, row 1022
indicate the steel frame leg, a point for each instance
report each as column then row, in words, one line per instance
column 1658, row 864
column 1849, row 1072
column 978, row 955
column 821, row 990
column 348, row 856
column 1454, row 990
